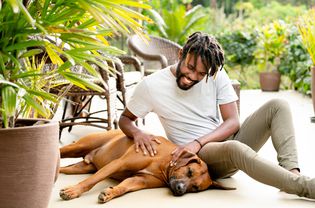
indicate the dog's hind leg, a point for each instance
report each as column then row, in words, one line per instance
column 78, row 168
column 88, row 143
column 134, row 183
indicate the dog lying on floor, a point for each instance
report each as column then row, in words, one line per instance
column 112, row 154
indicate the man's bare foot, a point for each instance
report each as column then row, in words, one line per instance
column 295, row 171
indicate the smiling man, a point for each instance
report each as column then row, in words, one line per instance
column 191, row 96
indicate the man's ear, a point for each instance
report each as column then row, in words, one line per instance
column 185, row 158
column 180, row 54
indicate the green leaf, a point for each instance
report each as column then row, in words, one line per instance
column 31, row 52
column 81, row 82
column 9, row 98
column 15, row 5
column 25, row 12
column 64, row 66
column 158, row 20
column 25, row 44
column 32, row 73
column 54, row 57
column 43, row 94
column 2, row 65
column 134, row 4
column 34, row 104
column 2, row 81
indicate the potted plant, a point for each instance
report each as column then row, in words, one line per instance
column 65, row 33
column 306, row 27
column 270, row 48
column 240, row 53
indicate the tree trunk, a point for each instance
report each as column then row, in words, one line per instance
column 213, row 4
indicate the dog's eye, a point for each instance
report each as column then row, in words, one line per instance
column 189, row 173
column 195, row 188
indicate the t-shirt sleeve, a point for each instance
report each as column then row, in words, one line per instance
column 225, row 90
column 140, row 103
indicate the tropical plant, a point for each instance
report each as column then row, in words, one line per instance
column 65, row 33
column 270, row 45
column 176, row 23
column 239, row 50
column 306, row 27
column 295, row 62
column 274, row 10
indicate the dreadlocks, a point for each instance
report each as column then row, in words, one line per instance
column 208, row 48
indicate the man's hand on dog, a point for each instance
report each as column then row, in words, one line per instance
column 192, row 147
column 146, row 142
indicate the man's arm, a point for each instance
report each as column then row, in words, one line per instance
column 230, row 125
column 142, row 140
column 126, row 123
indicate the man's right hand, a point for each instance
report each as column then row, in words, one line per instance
column 146, row 142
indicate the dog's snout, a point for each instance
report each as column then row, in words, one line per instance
column 179, row 188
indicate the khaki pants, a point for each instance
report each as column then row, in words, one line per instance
column 239, row 151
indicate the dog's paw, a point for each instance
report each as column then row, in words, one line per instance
column 105, row 196
column 69, row 193
column 64, row 195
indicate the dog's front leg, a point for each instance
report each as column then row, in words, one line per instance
column 134, row 183
column 85, row 185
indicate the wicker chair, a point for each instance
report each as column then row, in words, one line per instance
column 128, row 79
column 156, row 54
column 78, row 108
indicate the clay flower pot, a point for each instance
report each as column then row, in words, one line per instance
column 270, row 81
column 29, row 161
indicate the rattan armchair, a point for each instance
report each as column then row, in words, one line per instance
column 155, row 54
column 77, row 104
column 78, row 109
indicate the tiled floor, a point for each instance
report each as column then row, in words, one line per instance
column 249, row 193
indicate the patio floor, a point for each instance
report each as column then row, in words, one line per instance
column 249, row 193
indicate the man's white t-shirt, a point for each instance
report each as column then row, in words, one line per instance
column 185, row 114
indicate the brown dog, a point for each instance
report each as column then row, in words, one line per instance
column 112, row 154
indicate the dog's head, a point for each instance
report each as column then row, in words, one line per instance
column 190, row 174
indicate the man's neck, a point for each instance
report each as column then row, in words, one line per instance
column 173, row 69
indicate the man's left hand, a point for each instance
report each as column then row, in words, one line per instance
column 192, row 147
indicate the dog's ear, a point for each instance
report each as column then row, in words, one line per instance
column 217, row 185
column 185, row 158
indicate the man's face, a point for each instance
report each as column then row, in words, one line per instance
column 188, row 73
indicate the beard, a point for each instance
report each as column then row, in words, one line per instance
column 180, row 75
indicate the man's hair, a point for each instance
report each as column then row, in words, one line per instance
column 208, row 48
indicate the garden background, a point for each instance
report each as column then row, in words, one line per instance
column 257, row 35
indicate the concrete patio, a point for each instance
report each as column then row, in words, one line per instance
column 249, row 193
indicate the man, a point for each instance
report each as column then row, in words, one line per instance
column 189, row 97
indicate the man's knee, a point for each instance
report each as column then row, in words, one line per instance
column 278, row 103
column 233, row 148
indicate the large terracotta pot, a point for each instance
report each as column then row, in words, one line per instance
column 29, row 161
column 313, row 91
column 270, row 81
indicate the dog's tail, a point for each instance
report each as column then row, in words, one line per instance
column 217, row 185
